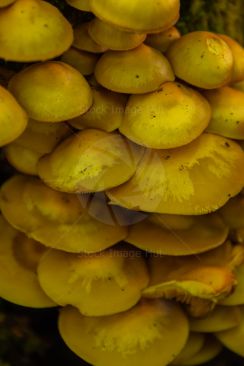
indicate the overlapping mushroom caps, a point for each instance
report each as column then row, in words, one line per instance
column 80, row 4
column 145, row 334
column 82, row 61
column 194, row 344
column 238, row 57
column 233, row 215
column 57, row 220
column 162, row 40
column 83, row 40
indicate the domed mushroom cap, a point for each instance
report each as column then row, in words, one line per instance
column 99, row 284
column 202, row 59
column 112, row 37
column 237, row 296
column 90, row 161
column 57, row 220
column 13, row 119
column 227, row 112
column 191, row 180
column 51, row 91
column 238, row 55
column 136, row 71
column 19, row 257
column 170, row 117
column 152, row 332
column 139, row 15
column 84, row 42
column 106, row 112
column 4, row 3
column 80, row 4
column 82, row 61
column 33, row 30
column 22, row 159
column 194, row 344
column 233, row 338
column 162, row 40
column 178, row 235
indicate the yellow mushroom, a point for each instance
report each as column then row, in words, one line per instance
column 52, row 91
column 19, row 257
column 57, row 220
column 84, row 42
column 136, row 71
column 194, row 344
column 13, row 119
column 227, row 112
column 82, row 61
column 170, row 117
column 100, row 284
column 162, row 40
column 80, row 4
column 33, row 30
column 238, row 55
column 237, row 296
column 202, row 59
column 4, row 3
column 239, row 86
column 233, row 212
column 178, row 235
column 90, row 161
column 112, row 37
column 106, row 112
column 22, row 159
column 138, row 15
column 151, row 333
column 191, row 180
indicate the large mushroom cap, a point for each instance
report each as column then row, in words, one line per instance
column 136, row 71
column 138, row 15
column 202, row 59
column 51, row 91
column 162, row 40
column 194, row 344
column 178, row 235
column 13, row 119
column 100, row 284
column 82, row 61
column 33, row 30
column 194, row 179
column 170, row 117
column 238, row 55
column 152, row 332
column 80, row 4
column 90, row 161
column 19, row 257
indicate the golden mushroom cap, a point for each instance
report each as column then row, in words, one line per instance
column 52, row 91
column 170, row 117
column 100, row 284
column 152, row 332
column 4, row 3
column 162, row 40
column 90, row 161
column 227, row 106
column 33, row 30
column 194, row 344
column 80, row 4
column 137, row 15
column 57, row 220
column 106, row 112
column 202, row 59
column 112, row 37
column 19, row 257
column 82, row 61
column 83, row 40
column 13, row 119
column 22, row 159
column 191, row 180
column 238, row 55
column 163, row 234
column 136, row 71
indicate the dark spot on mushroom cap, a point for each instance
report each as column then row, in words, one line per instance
column 227, row 144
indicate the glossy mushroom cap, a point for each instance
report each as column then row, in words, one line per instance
column 33, row 30
column 98, row 285
column 162, row 40
column 191, row 180
column 57, row 220
column 106, row 112
column 19, row 257
column 194, row 344
column 84, row 42
column 80, row 4
column 137, row 15
column 90, row 161
column 51, row 91
column 202, row 59
column 136, row 71
column 13, row 119
column 112, row 37
column 170, row 117
column 82, row 61
column 178, row 235
column 227, row 112
column 238, row 55
column 152, row 332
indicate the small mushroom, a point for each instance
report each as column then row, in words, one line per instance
column 162, row 40
column 170, row 117
column 90, row 161
column 202, row 59
column 97, row 284
column 84, row 42
column 194, row 344
column 82, row 61
column 138, row 15
column 80, row 4
column 151, row 333
column 191, row 180
column 33, row 30
column 238, row 55
column 52, row 91
column 137, row 71
column 112, row 37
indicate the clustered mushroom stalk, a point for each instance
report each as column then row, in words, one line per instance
column 127, row 206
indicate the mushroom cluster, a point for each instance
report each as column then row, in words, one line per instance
column 127, row 206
